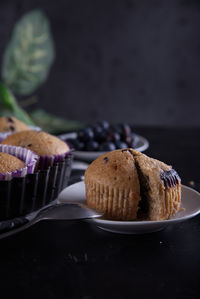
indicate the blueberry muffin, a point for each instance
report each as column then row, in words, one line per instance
column 51, row 175
column 128, row 185
column 50, row 148
column 12, row 124
column 42, row 143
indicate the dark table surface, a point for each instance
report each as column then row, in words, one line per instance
column 74, row 259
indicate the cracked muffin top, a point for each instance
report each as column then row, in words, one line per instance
column 126, row 185
column 116, row 168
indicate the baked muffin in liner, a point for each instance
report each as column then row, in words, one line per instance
column 23, row 195
column 128, row 185
column 28, row 157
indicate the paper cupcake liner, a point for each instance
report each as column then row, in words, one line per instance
column 28, row 157
column 115, row 203
column 46, row 161
column 24, row 195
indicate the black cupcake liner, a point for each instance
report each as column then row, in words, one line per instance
column 22, row 196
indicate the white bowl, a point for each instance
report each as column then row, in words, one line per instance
column 142, row 145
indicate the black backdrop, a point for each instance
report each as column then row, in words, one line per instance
column 133, row 60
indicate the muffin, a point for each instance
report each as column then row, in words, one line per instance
column 10, row 125
column 50, row 148
column 128, row 185
column 16, row 162
column 50, row 178
column 9, row 163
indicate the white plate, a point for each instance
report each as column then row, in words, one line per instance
column 190, row 203
column 142, row 145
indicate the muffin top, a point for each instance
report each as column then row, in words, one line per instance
column 12, row 124
column 42, row 143
column 151, row 166
column 116, row 168
column 9, row 163
column 122, row 168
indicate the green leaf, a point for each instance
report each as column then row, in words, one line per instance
column 11, row 107
column 29, row 54
column 7, row 98
column 54, row 124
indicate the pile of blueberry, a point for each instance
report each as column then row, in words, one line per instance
column 104, row 137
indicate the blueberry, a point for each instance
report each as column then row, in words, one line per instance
column 112, row 136
column 75, row 144
column 126, row 130
column 117, row 128
column 128, row 140
column 107, row 146
column 99, row 133
column 116, row 136
column 104, row 124
column 96, row 127
column 120, row 144
column 135, row 140
column 91, row 146
column 86, row 134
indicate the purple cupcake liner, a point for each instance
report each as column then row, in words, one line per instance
column 46, row 161
column 24, row 195
column 28, row 157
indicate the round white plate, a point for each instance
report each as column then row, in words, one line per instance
column 190, row 207
column 142, row 145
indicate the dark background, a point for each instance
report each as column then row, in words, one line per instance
column 135, row 60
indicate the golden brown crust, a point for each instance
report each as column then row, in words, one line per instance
column 10, row 163
column 12, row 124
column 42, row 143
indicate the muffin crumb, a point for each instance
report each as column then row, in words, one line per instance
column 191, row 183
